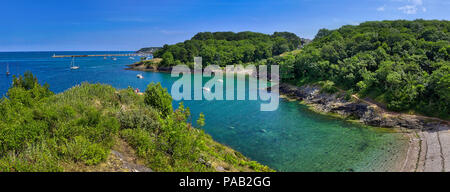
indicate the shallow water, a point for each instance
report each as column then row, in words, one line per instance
column 292, row 138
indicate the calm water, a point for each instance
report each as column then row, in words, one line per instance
column 291, row 138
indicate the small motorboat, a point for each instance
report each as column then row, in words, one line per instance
column 132, row 58
column 114, row 58
column 207, row 89
column 139, row 76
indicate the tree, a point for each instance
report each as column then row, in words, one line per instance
column 167, row 59
column 401, row 63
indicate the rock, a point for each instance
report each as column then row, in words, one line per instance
column 220, row 169
column 202, row 161
column 367, row 114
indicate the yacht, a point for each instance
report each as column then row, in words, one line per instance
column 7, row 70
column 139, row 76
column 132, row 58
column 72, row 64
column 114, row 58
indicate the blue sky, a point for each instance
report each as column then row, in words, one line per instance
column 46, row 25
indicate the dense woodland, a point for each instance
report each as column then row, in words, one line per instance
column 228, row 48
column 76, row 130
column 403, row 64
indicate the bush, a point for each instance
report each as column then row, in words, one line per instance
column 40, row 131
column 38, row 158
column 81, row 149
column 146, row 118
column 157, row 97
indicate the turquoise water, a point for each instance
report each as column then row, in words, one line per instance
column 291, row 138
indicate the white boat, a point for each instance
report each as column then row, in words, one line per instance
column 7, row 70
column 206, row 89
column 132, row 58
column 139, row 76
column 72, row 64
column 104, row 58
column 114, row 58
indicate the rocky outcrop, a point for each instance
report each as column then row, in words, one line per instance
column 367, row 113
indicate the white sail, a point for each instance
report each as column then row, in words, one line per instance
column 72, row 64
column 7, row 69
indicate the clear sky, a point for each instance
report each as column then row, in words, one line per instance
column 46, row 25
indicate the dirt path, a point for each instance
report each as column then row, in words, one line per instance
column 126, row 158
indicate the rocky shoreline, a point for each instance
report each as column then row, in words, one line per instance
column 367, row 113
column 429, row 145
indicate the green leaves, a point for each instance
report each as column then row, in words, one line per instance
column 228, row 48
column 157, row 97
column 401, row 63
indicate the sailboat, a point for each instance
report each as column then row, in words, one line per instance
column 7, row 70
column 72, row 64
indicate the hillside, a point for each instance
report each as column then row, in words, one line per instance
column 402, row 64
column 94, row 127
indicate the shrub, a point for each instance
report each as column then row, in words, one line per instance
column 157, row 97
column 328, row 87
column 35, row 158
column 146, row 118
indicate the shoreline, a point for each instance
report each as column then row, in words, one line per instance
column 429, row 137
column 425, row 150
column 154, row 68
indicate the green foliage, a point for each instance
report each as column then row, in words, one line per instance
column 201, row 120
column 228, row 48
column 81, row 149
column 40, row 131
column 71, row 126
column 157, row 97
column 328, row 86
column 167, row 59
column 146, row 118
column 35, row 158
column 404, row 62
